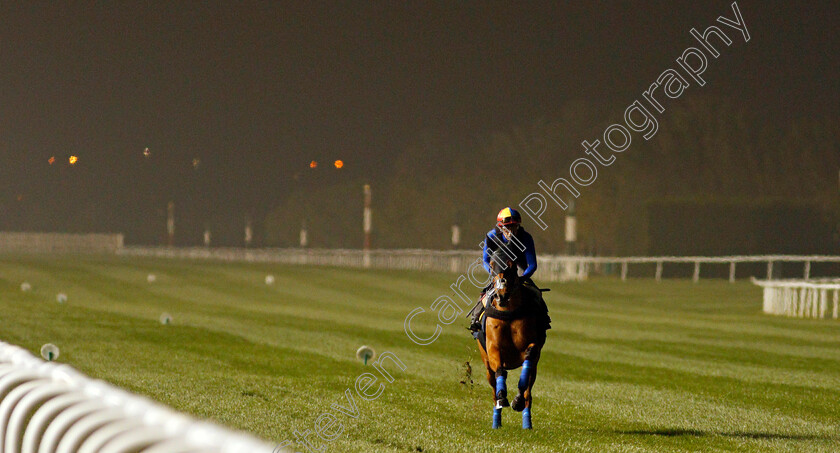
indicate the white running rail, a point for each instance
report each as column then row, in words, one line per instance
column 802, row 298
column 51, row 408
column 733, row 260
column 550, row 268
column 13, row 242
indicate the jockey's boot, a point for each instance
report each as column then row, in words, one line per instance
column 475, row 323
column 475, row 316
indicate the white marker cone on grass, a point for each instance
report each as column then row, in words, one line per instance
column 365, row 353
column 166, row 319
column 49, row 352
column 269, row 279
column 151, row 278
column 61, row 298
column 25, row 286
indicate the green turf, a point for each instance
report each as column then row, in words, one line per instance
column 628, row 366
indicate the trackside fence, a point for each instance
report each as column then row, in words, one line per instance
column 598, row 264
column 552, row 268
column 800, row 298
column 51, row 408
column 13, row 242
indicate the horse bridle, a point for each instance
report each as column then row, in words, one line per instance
column 500, row 284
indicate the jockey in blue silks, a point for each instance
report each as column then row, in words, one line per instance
column 508, row 233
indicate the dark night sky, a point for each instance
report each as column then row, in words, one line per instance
column 257, row 90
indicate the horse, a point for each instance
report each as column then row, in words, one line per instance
column 513, row 338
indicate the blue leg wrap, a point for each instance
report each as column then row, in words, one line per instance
column 497, row 418
column 501, row 387
column 525, row 376
column 526, row 418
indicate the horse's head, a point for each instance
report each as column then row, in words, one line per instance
column 505, row 277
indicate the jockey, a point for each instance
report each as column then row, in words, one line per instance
column 510, row 234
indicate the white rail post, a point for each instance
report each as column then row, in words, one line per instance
column 807, row 270
column 696, row 277
column 623, row 270
column 732, row 272
column 823, row 303
column 770, row 270
column 367, row 226
column 659, row 271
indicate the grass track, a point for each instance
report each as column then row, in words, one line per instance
column 635, row 366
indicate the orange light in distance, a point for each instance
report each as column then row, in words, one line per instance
column 51, row 160
column 313, row 164
column 339, row 164
column 73, row 160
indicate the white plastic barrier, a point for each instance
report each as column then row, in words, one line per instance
column 51, row 408
column 802, row 298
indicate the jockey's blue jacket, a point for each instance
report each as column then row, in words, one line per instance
column 522, row 247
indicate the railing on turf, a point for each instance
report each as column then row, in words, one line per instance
column 45, row 407
column 25, row 242
column 552, row 268
column 819, row 298
column 624, row 262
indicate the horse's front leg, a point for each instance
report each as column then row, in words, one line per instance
column 522, row 401
column 497, row 411
column 496, row 376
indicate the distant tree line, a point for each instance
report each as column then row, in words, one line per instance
column 709, row 160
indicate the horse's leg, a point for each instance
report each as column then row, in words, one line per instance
column 499, row 375
column 497, row 411
column 491, row 379
column 501, row 388
column 528, row 363
column 500, row 394
column 526, row 413
column 522, row 401
column 497, row 417
column 494, row 363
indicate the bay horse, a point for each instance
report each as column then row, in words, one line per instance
column 513, row 337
